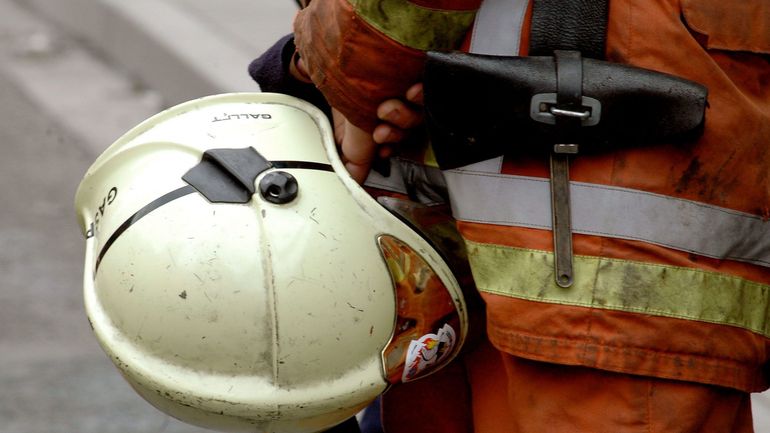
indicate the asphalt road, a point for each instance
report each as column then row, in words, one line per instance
column 53, row 375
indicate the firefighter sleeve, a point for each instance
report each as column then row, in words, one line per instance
column 362, row 52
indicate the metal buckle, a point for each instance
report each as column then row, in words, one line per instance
column 543, row 109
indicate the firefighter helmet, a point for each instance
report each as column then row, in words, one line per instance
column 241, row 280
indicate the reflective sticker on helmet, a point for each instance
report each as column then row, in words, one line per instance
column 424, row 338
column 429, row 350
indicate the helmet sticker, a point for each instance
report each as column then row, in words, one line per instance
column 429, row 350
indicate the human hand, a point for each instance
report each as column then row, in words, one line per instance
column 398, row 116
column 358, row 148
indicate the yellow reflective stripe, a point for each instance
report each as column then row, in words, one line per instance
column 416, row 26
column 429, row 158
column 623, row 285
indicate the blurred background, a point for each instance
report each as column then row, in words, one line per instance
column 75, row 75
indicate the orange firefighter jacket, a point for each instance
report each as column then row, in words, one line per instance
column 671, row 243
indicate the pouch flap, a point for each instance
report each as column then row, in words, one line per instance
column 478, row 107
column 733, row 26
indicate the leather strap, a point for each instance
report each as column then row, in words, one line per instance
column 569, row 87
column 576, row 25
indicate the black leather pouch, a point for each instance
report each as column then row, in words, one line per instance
column 478, row 107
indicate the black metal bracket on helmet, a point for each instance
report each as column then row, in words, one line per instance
column 227, row 175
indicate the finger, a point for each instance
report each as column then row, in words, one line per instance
column 398, row 113
column 339, row 126
column 298, row 69
column 358, row 150
column 415, row 94
column 386, row 133
column 301, row 67
column 385, row 151
column 359, row 172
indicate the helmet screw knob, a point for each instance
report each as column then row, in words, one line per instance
column 278, row 187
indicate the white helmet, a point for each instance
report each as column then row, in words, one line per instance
column 241, row 280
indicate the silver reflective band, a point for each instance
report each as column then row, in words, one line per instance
column 422, row 183
column 394, row 182
column 497, row 29
column 614, row 212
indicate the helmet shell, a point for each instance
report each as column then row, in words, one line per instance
column 254, row 316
